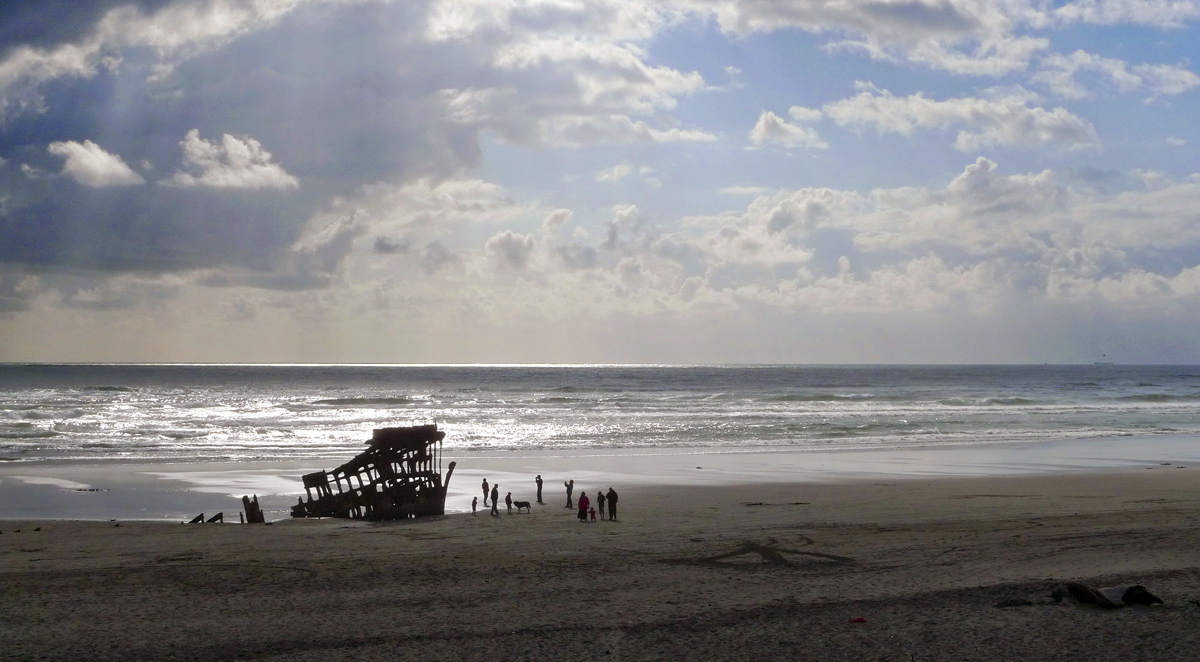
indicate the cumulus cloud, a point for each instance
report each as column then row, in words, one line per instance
column 88, row 164
column 510, row 249
column 237, row 162
column 1060, row 73
column 772, row 128
column 1006, row 119
column 557, row 218
column 615, row 173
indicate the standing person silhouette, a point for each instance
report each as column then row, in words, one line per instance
column 508, row 502
column 485, row 493
column 495, row 500
column 600, row 503
column 474, row 502
column 538, row 480
column 583, row 506
column 570, row 485
column 612, row 504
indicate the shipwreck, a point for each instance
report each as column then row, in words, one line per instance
column 399, row 476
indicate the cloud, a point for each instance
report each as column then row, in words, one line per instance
column 771, row 128
column 1005, row 119
column 239, row 163
column 435, row 257
column 557, row 218
column 174, row 32
column 541, row 79
column 390, row 246
column 1060, row 72
column 576, row 131
column 744, row 190
column 510, row 249
column 615, row 173
column 88, row 164
column 510, row 114
column 317, row 259
column 960, row 36
column 1156, row 13
column 123, row 292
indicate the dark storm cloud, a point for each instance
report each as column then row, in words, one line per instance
column 390, row 246
column 338, row 96
column 45, row 23
column 154, row 228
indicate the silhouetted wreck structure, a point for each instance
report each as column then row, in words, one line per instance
column 399, row 476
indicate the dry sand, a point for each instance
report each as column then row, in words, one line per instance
column 749, row 572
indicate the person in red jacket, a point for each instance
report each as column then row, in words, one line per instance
column 583, row 507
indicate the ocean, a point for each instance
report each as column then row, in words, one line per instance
column 188, row 413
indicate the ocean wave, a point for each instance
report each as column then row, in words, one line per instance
column 43, row 415
column 200, row 404
column 1153, row 398
column 834, row 397
column 575, row 389
column 558, row 400
column 108, row 389
column 871, row 429
column 28, row 434
column 365, row 402
column 988, row 402
column 179, row 435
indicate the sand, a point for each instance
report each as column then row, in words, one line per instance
column 758, row 571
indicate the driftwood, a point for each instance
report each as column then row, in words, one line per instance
column 397, row 477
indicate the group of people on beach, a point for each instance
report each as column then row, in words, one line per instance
column 586, row 509
column 585, row 504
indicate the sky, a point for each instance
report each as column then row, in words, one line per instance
column 600, row 181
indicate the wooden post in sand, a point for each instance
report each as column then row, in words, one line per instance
column 254, row 514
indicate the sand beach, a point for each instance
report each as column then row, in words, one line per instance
column 936, row 568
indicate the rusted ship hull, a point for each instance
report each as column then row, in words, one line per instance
column 399, row 476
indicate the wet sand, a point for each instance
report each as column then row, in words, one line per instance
column 179, row 491
column 758, row 571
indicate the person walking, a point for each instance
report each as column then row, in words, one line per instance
column 496, row 500
column 612, row 504
column 600, row 503
column 570, row 485
column 538, row 480
column 583, row 507
column 508, row 502
column 485, row 492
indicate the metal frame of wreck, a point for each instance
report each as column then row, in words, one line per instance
column 399, row 476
